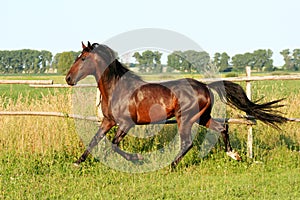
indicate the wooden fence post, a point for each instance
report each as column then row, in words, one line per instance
column 98, row 105
column 250, row 134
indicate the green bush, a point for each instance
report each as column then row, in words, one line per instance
column 231, row 74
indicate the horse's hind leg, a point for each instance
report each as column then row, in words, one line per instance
column 223, row 129
column 104, row 128
column 229, row 151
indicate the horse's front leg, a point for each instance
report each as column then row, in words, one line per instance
column 121, row 133
column 104, row 128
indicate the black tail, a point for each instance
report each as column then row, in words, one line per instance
column 234, row 95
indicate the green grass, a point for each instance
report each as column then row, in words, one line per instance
column 217, row 177
column 36, row 156
column 15, row 91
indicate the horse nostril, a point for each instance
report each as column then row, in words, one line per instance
column 68, row 79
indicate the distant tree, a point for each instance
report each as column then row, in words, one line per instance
column 288, row 65
column 216, row 59
column 24, row 61
column 210, row 70
column 55, row 60
column 174, row 60
column 138, row 57
column 186, row 59
column 148, row 57
column 3, row 68
column 260, row 60
column 141, row 60
column 240, row 61
column 224, row 62
column 221, row 61
column 157, row 59
column 46, row 57
column 149, row 61
column 296, row 59
column 63, row 61
column 189, row 61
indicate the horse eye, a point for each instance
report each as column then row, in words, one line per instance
column 83, row 58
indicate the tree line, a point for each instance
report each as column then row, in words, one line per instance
column 200, row 62
column 25, row 61
column 34, row 61
column 149, row 61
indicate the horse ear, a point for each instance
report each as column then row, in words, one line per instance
column 89, row 45
column 83, row 45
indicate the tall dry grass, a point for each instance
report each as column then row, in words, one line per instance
column 265, row 137
column 36, row 134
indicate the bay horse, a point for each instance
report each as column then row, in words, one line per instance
column 127, row 100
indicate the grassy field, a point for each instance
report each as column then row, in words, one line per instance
column 36, row 155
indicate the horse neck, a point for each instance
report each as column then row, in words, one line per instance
column 103, row 86
column 107, row 85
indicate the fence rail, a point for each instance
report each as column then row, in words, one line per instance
column 64, row 85
column 255, row 78
column 243, row 120
column 233, row 79
column 32, row 82
column 48, row 114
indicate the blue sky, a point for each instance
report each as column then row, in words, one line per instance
column 233, row 26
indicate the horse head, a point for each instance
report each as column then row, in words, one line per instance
column 93, row 60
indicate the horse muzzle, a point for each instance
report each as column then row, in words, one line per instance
column 70, row 81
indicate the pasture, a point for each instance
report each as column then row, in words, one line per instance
column 37, row 155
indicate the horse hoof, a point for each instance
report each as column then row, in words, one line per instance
column 234, row 155
column 136, row 157
column 76, row 164
column 139, row 157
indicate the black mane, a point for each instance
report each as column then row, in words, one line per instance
column 115, row 69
